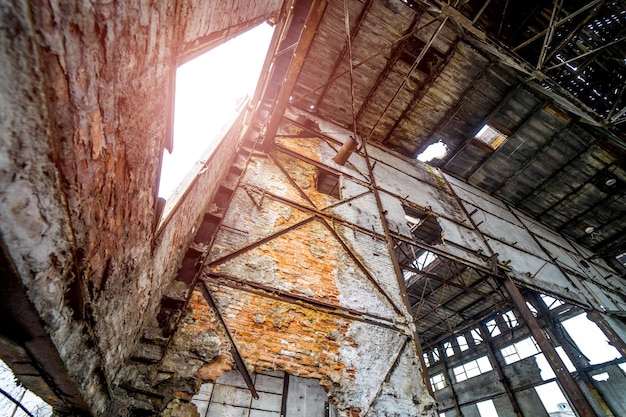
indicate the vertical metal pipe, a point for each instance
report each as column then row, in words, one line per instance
column 567, row 382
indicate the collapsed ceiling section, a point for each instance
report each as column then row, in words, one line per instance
column 527, row 96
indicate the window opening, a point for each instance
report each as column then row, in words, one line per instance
column 437, row 150
column 27, row 398
column 493, row 328
column 552, row 303
column 532, row 309
column 478, row 338
column 552, row 397
column 510, row 319
column 487, row 409
column 517, row 351
column 546, row 369
column 210, row 91
column 328, row 183
column 491, row 136
column 621, row 258
column 426, row 360
column 438, row 382
column 462, row 341
column 447, row 347
column 604, row 376
column 591, row 341
column 436, row 356
column 472, row 368
column 424, row 226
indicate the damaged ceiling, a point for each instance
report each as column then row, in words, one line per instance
column 546, row 77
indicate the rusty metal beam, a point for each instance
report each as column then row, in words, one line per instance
column 361, row 266
column 259, row 242
column 362, row 62
column 313, row 19
column 549, row 33
column 466, row 325
column 389, row 65
column 344, row 51
column 556, row 332
column 297, row 299
column 481, row 11
column 407, row 76
column 394, row 365
column 449, row 282
column 565, row 379
column 241, row 366
column 576, row 29
column 446, row 372
column 396, row 266
column 483, row 41
column 418, row 94
column 558, row 23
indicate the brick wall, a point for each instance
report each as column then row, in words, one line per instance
column 85, row 93
column 302, row 291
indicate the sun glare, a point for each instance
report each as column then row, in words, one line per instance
column 209, row 89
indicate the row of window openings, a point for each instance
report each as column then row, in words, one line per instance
column 474, row 335
column 492, row 326
column 513, row 353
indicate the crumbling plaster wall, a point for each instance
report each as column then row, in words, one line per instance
column 85, row 98
column 282, row 236
column 303, row 293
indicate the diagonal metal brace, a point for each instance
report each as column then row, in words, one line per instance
column 241, row 366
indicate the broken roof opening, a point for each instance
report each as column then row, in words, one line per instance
column 437, row 150
column 211, row 90
column 491, row 136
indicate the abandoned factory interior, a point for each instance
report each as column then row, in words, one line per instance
column 417, row 208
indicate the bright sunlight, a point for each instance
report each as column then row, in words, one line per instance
column 209, row 89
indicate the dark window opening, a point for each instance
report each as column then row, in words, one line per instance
column 424, row 227
column 328, row 183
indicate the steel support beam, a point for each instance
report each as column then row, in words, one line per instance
column 300, row 300
column 345, row 51
column 241, row 366
column 565, row 379
column 556, row 332
column 311, row 24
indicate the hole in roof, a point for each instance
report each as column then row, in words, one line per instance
column 211, row 90
column 491, row 136
column 437, row 150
